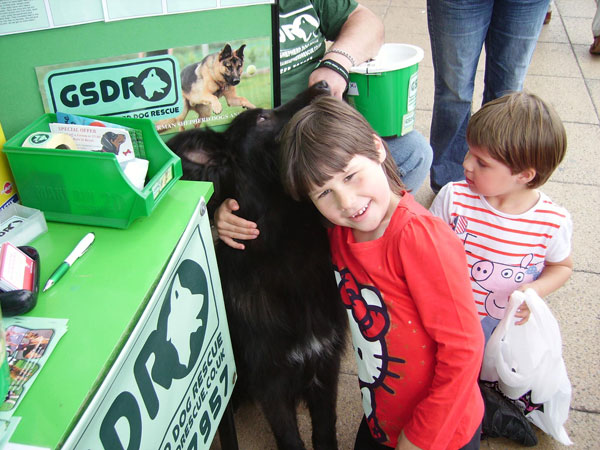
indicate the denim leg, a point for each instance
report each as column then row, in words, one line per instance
column 457, row 31
column 413, row 155
column 509, row 45
column 596, row 21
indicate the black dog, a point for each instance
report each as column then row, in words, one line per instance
column 286, row 320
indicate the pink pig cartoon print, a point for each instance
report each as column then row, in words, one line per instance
column 501, row 280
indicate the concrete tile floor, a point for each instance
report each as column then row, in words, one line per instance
column 565, row 74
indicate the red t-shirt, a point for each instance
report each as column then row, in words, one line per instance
column 415, row 329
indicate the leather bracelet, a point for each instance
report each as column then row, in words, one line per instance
column 343, row 53
column 336, row 67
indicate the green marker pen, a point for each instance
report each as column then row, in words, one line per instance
column 79, row 250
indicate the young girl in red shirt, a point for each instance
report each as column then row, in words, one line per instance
column 401, row 275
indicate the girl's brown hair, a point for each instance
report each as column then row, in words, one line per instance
column 521, row 131
column 321, row 139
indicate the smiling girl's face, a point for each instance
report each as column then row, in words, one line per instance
column 359, row 197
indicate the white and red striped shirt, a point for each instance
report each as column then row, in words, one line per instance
column 503, row 250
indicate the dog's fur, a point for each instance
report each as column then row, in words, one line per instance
column 286, row 320
column 204, row 82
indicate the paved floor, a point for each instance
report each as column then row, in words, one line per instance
column 565, row 74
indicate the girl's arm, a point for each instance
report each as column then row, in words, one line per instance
column 552, row 277
column 405, row 444
column 436, row 272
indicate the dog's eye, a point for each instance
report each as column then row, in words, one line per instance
column 261, row 118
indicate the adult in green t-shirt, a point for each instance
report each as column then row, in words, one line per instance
column 305, row 25
column 356, row 34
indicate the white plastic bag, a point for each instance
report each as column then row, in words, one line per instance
column 523, row 358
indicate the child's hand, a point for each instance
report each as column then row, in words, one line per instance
column 522, row 313
column 230, row 227
column 405, row 444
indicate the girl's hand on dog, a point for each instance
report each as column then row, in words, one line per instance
column 230, row 227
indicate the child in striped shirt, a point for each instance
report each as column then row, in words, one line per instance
column 514, row 236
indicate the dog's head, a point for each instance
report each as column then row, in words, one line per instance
column 111, row 142
column 231, row 64
column 242, row 161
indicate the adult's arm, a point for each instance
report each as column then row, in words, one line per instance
column 361, row 37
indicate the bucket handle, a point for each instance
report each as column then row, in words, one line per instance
column 369, row 61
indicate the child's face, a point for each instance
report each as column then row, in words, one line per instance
column 359, row 197
column 488, row 176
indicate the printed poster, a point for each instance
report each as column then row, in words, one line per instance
column 177, row 88
column 119, row 9
column 20, row 16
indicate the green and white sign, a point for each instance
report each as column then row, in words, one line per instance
column 146, row 87
column 170, row 384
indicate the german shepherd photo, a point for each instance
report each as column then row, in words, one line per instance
column 203, row 83
column 287, row 322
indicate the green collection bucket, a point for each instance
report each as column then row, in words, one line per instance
column 384, row 90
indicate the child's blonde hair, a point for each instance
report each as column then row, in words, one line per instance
column 321, row 139
column 521, row 131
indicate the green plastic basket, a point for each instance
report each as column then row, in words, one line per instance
column 90, row 188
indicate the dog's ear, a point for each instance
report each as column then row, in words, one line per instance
column 225, row 53
column 240, row 51
column 198, row 156
column 202, row 147
column 206, row 156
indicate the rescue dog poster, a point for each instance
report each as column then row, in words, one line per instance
column 176, row 88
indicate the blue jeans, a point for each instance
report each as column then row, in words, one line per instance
column 596, row 21
column 413, row 156
column 458, row 30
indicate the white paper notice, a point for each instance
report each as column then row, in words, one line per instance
column 19, row 16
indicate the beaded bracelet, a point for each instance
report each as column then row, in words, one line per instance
column 343, row 53
column 336, row 67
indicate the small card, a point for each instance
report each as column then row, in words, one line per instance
column 16, row 269
column 99, row 139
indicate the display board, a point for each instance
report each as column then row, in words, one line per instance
column 91, row 63
column 169, row 386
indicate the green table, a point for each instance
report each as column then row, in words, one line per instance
column 116, row 297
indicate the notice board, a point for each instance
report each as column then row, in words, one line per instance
column 96, row 48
